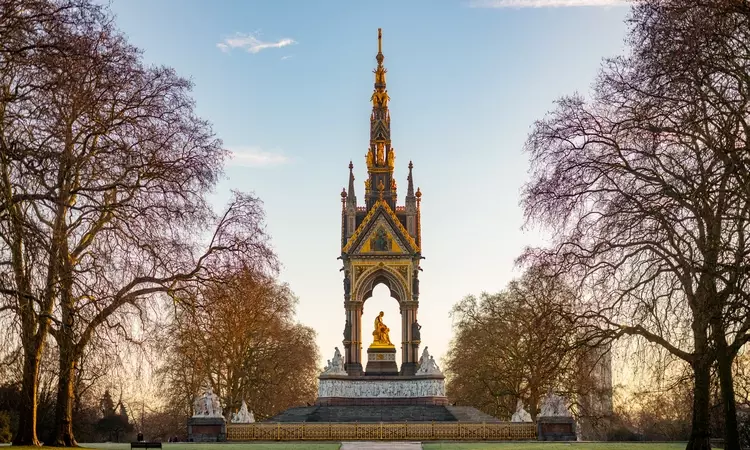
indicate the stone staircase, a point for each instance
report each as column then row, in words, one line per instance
column 411, row 413
column 469, row 414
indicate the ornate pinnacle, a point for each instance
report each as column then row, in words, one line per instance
column 380, row 119
column 410, row 186
column 351, row 200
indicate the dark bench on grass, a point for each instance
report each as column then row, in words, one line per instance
column 145, row 445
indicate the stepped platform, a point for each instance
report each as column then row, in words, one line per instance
column 375, row 414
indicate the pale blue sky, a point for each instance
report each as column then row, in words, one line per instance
column 466, row 84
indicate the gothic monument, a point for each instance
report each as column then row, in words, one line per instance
column 380, row 244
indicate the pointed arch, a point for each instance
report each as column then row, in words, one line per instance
column 381, row 275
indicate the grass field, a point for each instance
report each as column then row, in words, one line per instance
column 552, row 446
column 219, row 446
column 425, row 445
column 229, row 446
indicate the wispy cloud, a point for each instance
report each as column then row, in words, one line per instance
column 256, row 157
column 286, row 57
column 543, row 3
column 251, row 42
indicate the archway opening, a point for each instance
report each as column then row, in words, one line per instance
column 381, row 300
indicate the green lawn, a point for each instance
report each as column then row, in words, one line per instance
column 425, row 445
column 219, row 446
column 552, row 446
column 229, row 446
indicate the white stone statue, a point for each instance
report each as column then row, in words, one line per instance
column 425, row 355
column 521, row 415
column 208, row 404
column 243, row 415
column 336, row 365
column 427, row 365
column 554, row 405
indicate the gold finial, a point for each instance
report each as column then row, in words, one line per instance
column 418, row 194
column 379, row 56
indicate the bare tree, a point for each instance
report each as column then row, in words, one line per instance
column 30, row 34
column 693, row 62
column 105, row 176
column 650, row 216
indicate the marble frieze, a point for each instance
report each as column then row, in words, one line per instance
column 364, row 388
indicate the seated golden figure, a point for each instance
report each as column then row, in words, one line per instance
column 380, row 335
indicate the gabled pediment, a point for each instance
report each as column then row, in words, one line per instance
column 381, row 233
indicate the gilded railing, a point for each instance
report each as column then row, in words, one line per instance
column 417, row 431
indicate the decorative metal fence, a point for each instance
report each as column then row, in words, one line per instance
column 417, row 431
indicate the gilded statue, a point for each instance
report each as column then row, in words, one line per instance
column 380, row 75
column 380, row 335
column 392, row 159
column 381, row 154
column 367, row 183
column 368, row 157
column 380, row 98
column 393, row 184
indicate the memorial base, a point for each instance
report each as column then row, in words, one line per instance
column 381, row 361
column 556, row 429
column 207, row 429
column 372, row 390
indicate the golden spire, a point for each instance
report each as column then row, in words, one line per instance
column 380, row 156
column 380, row 95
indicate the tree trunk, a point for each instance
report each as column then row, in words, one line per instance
column 533, row 400
column 68, row 358
column 65, row 397
column 26, row 434
column 700, row 433
column 729, row 408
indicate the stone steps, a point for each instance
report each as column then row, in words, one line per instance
column 372, row 414
column 469, row 414
column 411, row 413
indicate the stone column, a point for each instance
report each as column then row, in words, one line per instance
column 409, row 346
column 353, row 363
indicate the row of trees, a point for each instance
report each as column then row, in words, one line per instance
column 104, row 175
column 244, row 341
column 520, row 343
column 646, row 186
column 510, row 346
